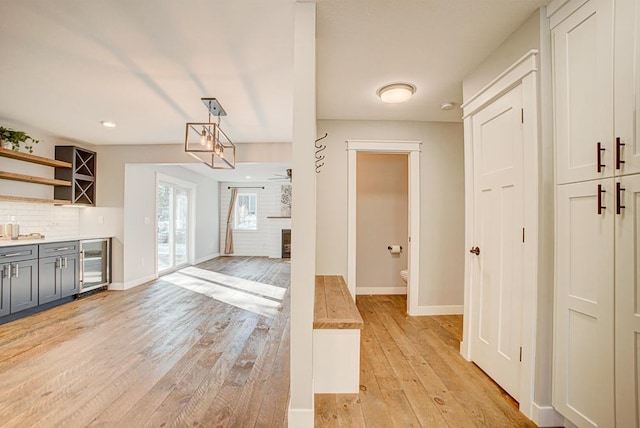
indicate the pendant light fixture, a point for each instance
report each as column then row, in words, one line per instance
column 207, row 142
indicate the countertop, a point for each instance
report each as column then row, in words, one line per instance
column 46, row 240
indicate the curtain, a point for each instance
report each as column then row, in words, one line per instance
column 228, row 240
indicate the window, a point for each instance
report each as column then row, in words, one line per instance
column 245, row 213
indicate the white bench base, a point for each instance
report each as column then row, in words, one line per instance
column 336, row 361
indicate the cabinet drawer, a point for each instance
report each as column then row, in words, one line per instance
column 59, row 248
column 18, row 253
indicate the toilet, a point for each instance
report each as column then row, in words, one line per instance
column 403, row 275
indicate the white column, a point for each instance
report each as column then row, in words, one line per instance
column 303, row 217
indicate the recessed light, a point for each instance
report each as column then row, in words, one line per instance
column 108, row 123
column 448, row 106
column 248, row 177
column 396, row 92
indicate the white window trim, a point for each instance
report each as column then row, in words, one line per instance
column 235, row 213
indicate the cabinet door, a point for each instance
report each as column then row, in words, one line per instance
column 24, row 285
column 583, row 92
column 583, row 373
column 627, row 86
column 5, row 287
column 49, row 285
column 70, row 275
column 627, row 237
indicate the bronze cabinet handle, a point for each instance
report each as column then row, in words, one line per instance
column 475, row 250
column 599, row 150
column 619, row 161
column 619, row 190
column 600, row 192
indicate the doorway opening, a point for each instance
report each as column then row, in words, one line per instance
column 412, row 150
column 382, row 208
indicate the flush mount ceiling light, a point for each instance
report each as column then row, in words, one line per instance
column 448, row 106
column 396, row 93
column 108, row 123
column 207, row 142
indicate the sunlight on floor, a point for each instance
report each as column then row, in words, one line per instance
column 256, row 297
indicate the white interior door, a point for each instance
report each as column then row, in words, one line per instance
column 583, row 325
column 627, row 305
column 496, row 285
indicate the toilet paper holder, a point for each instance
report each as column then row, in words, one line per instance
column 390, row 247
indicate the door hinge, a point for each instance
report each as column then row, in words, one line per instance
column 523, row 234
column 521, row 115
column 521, row 354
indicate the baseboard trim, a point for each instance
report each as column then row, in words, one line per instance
column 464, row 351
column 440, row 310
column 380, row 290
column 546, row 416
column 300, row 418
column 207, row 258
column 120, row 286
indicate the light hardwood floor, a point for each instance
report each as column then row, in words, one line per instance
column 156, row 355
column 412, row 375
column 163, row 355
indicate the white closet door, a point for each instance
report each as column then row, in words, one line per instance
column 583, row 93
column 498, row 219
column 583, row 342
column 628, row 302
column 627, row 87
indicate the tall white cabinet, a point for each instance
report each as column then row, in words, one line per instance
column 596, row 85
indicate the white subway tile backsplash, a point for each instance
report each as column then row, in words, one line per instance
column 50, row 220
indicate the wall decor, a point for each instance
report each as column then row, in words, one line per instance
column 320, row 157
column 285, row 200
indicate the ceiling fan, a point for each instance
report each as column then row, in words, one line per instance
column 283, row 176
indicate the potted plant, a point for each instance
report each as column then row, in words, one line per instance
column 15, row 138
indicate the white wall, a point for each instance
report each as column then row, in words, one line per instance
column 442, row 202
column 257, row 242
column 381, row 220
column 140, row 213
column 521, row 41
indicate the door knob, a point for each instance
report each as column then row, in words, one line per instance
column 475, row 250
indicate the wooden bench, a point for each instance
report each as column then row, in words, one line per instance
column 336, row 337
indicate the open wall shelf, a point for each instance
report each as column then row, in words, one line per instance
column 34, row 200
column 33, row 179
column 27, row 157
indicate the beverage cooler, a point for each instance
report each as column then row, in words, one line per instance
column 95, row 264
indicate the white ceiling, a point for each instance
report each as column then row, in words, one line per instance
column 363, row 45
column 68, row 64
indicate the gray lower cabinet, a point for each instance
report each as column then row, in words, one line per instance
column 32, row 275
column 24, row 285
column 19, row 286
column 70, row 275
column 59, row 277
column 5, row 289
column 18, row 278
